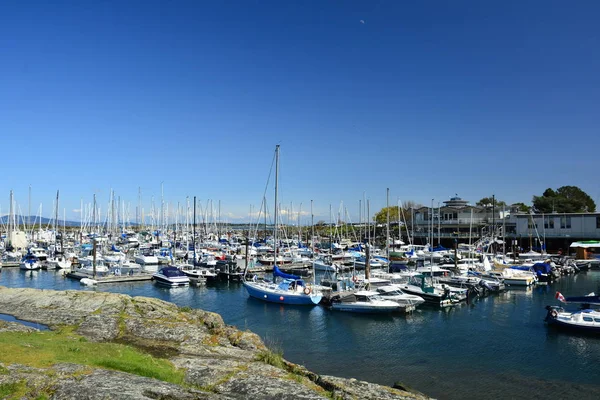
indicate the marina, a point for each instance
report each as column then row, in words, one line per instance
column 424, row 349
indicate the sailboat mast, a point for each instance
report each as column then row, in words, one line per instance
column 194, row 232
column 55, row 221
column 387, row 233
column 276, row 199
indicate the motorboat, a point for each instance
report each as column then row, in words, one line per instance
column 586, row 320
column 364, row 301
column 516, row 277
column 146, row 259
column 208, row 274
column 58, row 262
column 440, row 295
column 171, row 276
column 326, row 264
column 474, row 279
column 39, row 253
column 395, row 293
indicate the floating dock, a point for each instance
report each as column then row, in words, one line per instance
column 110, row 278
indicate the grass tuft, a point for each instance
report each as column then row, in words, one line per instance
column 44, row 349
column 271, row 358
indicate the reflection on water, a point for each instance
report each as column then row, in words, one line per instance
column 494, row 347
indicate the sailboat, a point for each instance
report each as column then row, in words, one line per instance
column 291, row 289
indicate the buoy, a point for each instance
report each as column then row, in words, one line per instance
column 281, row 298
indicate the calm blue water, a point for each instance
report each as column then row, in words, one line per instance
column 496, row 347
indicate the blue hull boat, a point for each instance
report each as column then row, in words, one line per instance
column 276, row 293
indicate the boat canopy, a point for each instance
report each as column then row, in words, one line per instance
column 279, row 273
column 587, row 244
column 542, row 268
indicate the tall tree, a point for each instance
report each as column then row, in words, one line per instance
column 522, row 207
column 405, row 213
column 566, row 199
column 489, row 202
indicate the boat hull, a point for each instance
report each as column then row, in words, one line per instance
column 365, row 309
column 281, row 297
column 171, row 282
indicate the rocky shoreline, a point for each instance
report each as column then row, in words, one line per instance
column 220, row 361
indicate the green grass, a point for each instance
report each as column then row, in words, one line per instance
column 43, row 349
column 271, row 358
column 12, row 390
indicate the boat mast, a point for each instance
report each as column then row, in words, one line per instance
column 194, row 232
column 55, row 221
column 276, row 201
column 387, row 233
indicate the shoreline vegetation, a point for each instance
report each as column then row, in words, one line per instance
column 106, row 345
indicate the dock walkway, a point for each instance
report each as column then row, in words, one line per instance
column 111, row 278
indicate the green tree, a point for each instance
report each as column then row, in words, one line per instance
column 566, row 199
column 489, row 202
column 522, row 207
column 404, row 216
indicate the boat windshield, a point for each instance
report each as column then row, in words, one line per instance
column 171, row 272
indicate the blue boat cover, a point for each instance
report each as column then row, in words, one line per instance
column 277, row 272
column 542, row 268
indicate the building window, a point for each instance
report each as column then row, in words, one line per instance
column 565, row 222
column 549, row 222
column 597, row 222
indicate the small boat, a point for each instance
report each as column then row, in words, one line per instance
column 88, row 282
column 207, row 274
column 325, row 263
column 589, row 299
column 439, row 295
column 30, row 262
column 58, row 262
column 515, row 277
column 586, row 320
column 171, row 276
column 365, row 301
column 290, row 290
column 395, row 293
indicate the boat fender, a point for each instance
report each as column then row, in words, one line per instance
column 307, row 290
column 355, row 279
column 554, row 314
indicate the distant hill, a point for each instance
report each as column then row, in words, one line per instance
column 29, row 220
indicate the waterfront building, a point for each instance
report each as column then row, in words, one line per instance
column 455, row 219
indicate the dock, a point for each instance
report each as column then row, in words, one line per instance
column 111, row 278
column 11, row 264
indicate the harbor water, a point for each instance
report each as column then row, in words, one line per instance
column 493, row 347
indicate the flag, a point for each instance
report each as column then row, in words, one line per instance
column 560, row 297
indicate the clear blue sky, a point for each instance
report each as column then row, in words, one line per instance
column 428, row 98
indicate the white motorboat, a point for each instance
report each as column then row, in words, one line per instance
column 364, row 301
column 146, row 259
column 395, row 293
column 58, row 262
column 39, row 253
column 586, row 320
column 208, row 274
column 326, row 264
column 171, row 276
column 515, row 277
column 440, row 295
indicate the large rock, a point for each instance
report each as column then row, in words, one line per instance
column 220, row 361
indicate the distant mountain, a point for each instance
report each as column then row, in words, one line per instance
column 29, row 220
